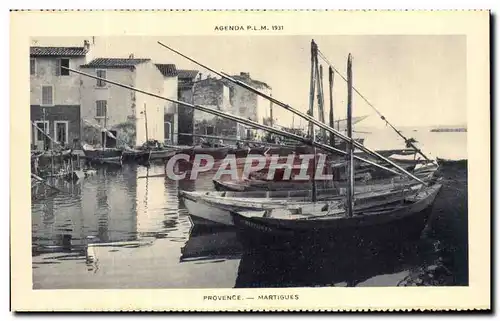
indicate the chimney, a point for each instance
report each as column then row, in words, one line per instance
column 131, row 56
column 86, row 44
column 245, row 74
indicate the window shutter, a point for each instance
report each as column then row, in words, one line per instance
column 32, row 66
column 58, row 67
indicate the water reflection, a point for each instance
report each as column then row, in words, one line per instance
column 126, row 228
column 208, row 244
column 112, row 206
column 309, row 267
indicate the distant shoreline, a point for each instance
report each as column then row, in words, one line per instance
column 448, row 130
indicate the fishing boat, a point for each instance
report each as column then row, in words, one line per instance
column 215, row 152
column 163, row 154
column 97, row 153
column 113, row 161
column 137, row 156
column 400, row 219
column 259, row 180
column 214, row 208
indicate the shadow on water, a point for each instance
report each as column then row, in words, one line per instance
column 310, row 266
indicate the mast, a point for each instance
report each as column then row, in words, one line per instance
column 271, row 112
column 293, row 110
column 350, row 155
column 321, row 105
column 146, row 123
column 105, row 127
column 312, row 132
column 331, row 79
column 312, row 89
column 44, row 129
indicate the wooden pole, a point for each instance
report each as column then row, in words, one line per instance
column 332, row 123
column 105, row 127
column 350, row 155
column 312, row 132
column 44, row 130
column 321, row 105
column 312, row 90
column 146, row 122
column 271, row 112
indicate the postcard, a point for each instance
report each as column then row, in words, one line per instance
column 250, row 160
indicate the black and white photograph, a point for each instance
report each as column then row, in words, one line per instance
column 296, row 178
column 253, row 158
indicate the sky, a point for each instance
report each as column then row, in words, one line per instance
column 412, row 80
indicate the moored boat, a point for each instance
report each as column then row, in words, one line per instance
column 260, row 182
column 137, row 156
column 164, row 154
column 92, row 153
column 215, row 152
column 401, row 219
column 113, row 161
column 214, row 208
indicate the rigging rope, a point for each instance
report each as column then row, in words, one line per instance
column 409, row 141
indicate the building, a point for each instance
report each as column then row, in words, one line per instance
column 226, row 96
column 186, row 79
column 55, row 96
column 170, row 90
column 213, row 93
column 125, row 111
column 248, row 104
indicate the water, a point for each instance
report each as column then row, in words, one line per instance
column 147, row 241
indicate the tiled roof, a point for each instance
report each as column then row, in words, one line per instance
column 187, row 74
column 58, row 51
column 168, row 70
column 251, row 82
column 115, row 62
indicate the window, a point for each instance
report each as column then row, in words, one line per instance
column 101, row 74
column 101, row 108
column 61, row 131
column 44, row 127
column 32, row 66
column 62, row 62
column 209, row 130
column 47, row 95
column 168, row 129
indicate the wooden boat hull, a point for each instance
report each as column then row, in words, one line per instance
column 162, row 154
column 204, row 214
column 113, row 161
column 362, row 174
column 244, row 152
column 406, row 222
column 107, row 153
column 212, row 209
column 215, row 152
column 140, row 157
